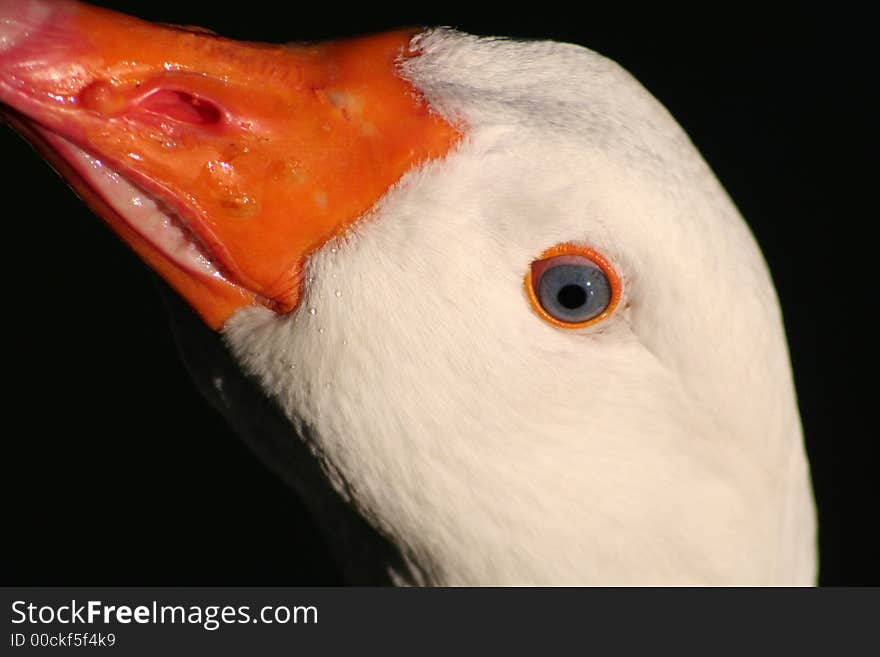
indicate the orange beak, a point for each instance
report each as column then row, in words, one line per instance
column 223, row 164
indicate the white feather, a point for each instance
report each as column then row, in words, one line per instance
column 662, row 446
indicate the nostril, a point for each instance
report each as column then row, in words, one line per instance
column 181, row 106
column 18, row 18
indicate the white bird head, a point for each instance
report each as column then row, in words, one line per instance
column 660, row 444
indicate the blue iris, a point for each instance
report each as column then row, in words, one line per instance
column 574, row 293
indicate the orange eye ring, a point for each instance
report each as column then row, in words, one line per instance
column 538, row 266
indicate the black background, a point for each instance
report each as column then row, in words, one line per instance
column 118, row 473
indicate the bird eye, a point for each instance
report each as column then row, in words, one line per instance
column 572, row 286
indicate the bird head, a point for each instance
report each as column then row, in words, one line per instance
column 490, row 283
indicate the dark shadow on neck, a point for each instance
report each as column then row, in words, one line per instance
column 363, row 556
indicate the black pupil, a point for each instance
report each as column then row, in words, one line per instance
column 572, row 296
